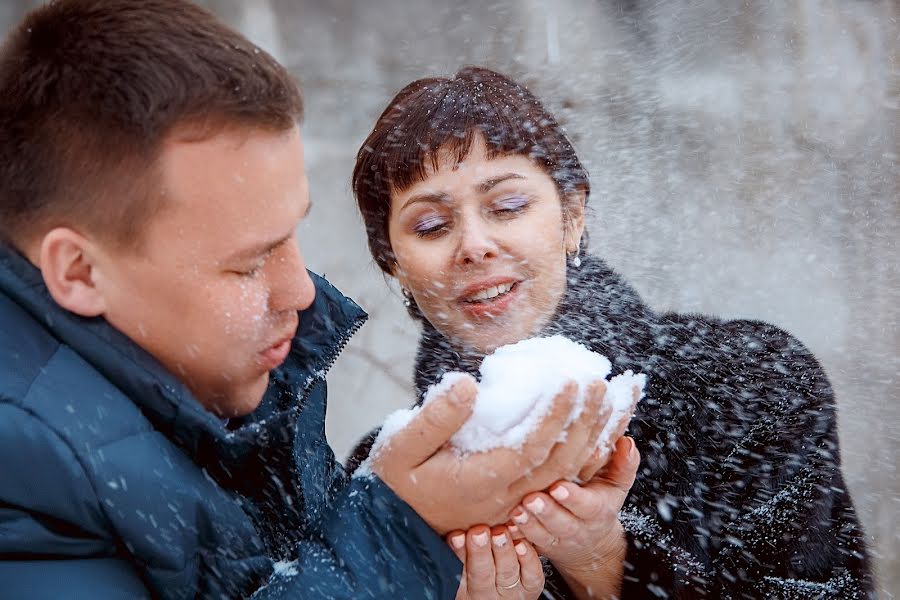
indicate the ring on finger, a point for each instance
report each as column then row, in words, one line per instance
column 510, row 586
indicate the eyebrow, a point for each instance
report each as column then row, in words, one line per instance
column 481, row 187
column 439, row 197
column 486, row 185
column 263, row 248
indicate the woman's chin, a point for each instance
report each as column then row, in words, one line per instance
column 484, row 338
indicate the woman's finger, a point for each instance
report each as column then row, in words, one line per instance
column 533, row 530
column 625, row 418
column 514, row 531
column 457, row 542
column 531, row 571
column 604, row 411
column 480, row 574
column 595, row 408
column 429, row 429
column 617, row 475
column 555, row 518
column 590, row 468
column 506, row 564
column 621, row 469
column 566, row 457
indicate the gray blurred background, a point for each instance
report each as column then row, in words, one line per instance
column 744, row 161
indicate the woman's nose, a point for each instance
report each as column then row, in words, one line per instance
column 476, row 244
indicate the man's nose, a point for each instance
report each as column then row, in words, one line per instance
column 294, row 289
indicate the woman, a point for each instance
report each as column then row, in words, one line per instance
column 473, row 199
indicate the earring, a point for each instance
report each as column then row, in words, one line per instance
column 576, row 260
column 407, row 297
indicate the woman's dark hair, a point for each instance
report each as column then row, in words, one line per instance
column 89, row 90
column 436, row 115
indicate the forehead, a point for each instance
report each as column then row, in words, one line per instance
column 234, row 186
column 447, row 167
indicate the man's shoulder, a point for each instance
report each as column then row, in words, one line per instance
column 25, row 348
column 69, row 396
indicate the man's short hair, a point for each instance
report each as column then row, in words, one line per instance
column 89, row 90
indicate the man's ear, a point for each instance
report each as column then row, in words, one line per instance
column 67, row 265
column 574, row 220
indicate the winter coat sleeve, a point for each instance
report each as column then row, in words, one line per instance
column 368, row 544
column 759, row 507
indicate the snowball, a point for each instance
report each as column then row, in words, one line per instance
column 619, row 396
column 518, row 385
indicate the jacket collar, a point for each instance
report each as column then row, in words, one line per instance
column 325, row 328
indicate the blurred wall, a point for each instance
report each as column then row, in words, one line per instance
column 744, row 161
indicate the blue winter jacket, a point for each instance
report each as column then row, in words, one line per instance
column 116, row 483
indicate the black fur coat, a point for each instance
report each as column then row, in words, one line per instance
column 739, row 493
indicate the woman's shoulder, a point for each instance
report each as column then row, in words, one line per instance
column 739, row 348
column 742, row 371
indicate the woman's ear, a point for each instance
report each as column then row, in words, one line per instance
column 574, row 220
column 67, row 265
column 397, row 273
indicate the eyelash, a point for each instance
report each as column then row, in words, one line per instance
column 519, row 205
column 429, row 231
column 250, row 274
column 255, row 269
column 513, row 205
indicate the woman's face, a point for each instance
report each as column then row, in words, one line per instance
column 482, row 247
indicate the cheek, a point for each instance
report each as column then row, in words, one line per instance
column 421, row 268
column 240, row 309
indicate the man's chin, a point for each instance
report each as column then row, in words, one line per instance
column 241, row 401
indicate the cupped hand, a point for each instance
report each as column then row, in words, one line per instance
column 576, row 526
column 603, row 452
column 452, row 492
column 495, row 566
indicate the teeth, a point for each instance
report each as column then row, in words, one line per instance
column 491, row 292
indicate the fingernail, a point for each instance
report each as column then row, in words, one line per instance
column 480, row 539
column 521, row 549
column 499, row 540
column 536, row 506
column 458, row 541
column 512, row 529
column 520, row 516
column 632, row 447
column 560, row 493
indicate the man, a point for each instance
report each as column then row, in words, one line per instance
column 163, row 348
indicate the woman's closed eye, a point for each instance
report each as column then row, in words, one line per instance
column 429, row 226
column 511, row 205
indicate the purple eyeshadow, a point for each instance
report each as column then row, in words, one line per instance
column 428, row 223
column 513, row 203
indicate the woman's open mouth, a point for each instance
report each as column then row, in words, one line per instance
column 490, row 301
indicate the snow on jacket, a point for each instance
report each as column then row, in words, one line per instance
column 739, row 493
column 116, row 483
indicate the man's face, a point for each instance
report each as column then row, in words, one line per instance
column 214, row 289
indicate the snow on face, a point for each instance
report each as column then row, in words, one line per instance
column 518, row 385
